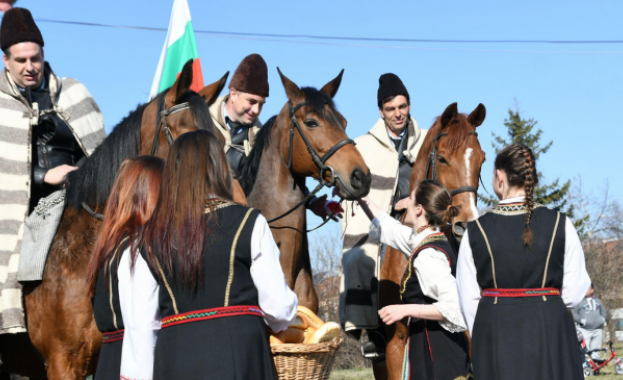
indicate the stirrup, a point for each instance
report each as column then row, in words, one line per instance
column 370, row 350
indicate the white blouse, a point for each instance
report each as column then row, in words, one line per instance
column 138, row 294
column 575, row 281
column 431, row 267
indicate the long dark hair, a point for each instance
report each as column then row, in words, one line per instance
column 131, row 202
column 196, row 171
column 436, row 200
column 519, row 164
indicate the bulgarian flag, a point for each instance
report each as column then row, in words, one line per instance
column 179, row 47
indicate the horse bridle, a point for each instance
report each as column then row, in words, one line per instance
column 319, row 161
column 431, row 167
column 161, row 125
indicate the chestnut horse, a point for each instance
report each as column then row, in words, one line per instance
column 453, row 142
column 58, row 309
column 307, row 139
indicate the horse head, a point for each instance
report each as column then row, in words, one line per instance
column 451, row 153
column 176, row 111
column 317, row 145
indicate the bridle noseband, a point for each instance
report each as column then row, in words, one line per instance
column 162, row 124
column 431, row 167
column 320, row 161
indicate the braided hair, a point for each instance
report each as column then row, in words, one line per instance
column 436, row 200
column 519, row 164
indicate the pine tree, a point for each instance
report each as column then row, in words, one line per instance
column 523, row 131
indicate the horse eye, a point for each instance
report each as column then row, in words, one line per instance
column 443, row 160
column 311, row 123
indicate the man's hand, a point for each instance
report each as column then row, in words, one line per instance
column 393, row 313
column 402, row 204
column 57, row 175
column 323, row 208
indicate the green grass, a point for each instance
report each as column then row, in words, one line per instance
column 357, row 374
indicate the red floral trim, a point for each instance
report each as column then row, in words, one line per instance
column 217, row 312
column 114, row 336
column 513, row 293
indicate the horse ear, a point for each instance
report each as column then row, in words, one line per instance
column 448, row 115
column 478, row 115
column 332, row 87
column 211, row 92
column 292, row 90
column 181, row 85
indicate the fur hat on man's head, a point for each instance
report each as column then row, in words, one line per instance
column 251, row 76
column 18, row 26
column 390, row 85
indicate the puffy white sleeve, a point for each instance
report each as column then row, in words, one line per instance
column 277, row 301
column 437, row 282
column 575, row 282
column 138, row 296
column 467, row 282
column 393, row 233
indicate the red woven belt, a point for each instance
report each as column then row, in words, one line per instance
column 114, row 336
column 217, row 312
column 535, row 292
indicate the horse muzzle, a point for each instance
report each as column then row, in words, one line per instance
column 357, row 186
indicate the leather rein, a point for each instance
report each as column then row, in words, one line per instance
column 431, row 167
column 160, row 126
column 320, row 162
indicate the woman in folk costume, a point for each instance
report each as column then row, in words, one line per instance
column 436, row 348
column 215, row 270
column 521, row 266
column 132, row 199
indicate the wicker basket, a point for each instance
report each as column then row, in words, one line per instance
column 304, row 361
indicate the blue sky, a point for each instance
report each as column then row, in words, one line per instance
column 573, row 90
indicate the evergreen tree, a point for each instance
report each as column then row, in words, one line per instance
column 523, row 131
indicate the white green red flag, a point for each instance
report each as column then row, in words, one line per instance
column 179, row 47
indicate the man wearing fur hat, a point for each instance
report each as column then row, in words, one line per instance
column 389, row 149
column 236, row 117
column 49, row 126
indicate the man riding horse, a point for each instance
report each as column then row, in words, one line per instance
column 389, row 149
column 236, row 115
column 49, row 126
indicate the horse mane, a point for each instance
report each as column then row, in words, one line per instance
column 94, row 180
column 316, row 102
column 457, row 132
column 250, row 166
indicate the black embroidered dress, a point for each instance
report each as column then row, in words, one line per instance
column 108, row 318
column 432, row 352
column 218, row 331
column 522, row 328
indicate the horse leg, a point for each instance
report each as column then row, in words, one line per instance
column 304, row 285
column 392, row 270
column 60, row 315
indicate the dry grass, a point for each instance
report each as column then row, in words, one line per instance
column 353, row 374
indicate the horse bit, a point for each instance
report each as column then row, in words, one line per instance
column 431, row 167
column 320, row 162
column 161, row 125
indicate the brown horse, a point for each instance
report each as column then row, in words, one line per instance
column 454, row 141
column 307, row 139
column 58, row 309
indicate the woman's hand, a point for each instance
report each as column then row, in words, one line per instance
column 393, row 313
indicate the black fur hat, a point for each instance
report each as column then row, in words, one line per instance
column 18, row 26
column 390, row 85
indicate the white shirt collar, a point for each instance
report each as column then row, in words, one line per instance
column 513, row 200
column 226, row 115
column 418, row 238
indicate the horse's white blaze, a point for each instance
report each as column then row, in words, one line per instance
column 468, row 176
